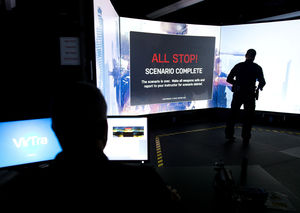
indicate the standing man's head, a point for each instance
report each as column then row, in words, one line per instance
column 250, row 55
column 79, row 119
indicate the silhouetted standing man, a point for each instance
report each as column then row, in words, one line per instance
column 243, row 77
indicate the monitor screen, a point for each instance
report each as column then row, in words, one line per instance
column 27, row 141
column 127, row 139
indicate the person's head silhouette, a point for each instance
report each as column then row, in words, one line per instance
column 250, row 55
column 79, row 120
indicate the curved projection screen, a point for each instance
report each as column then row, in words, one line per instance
column 278, row 53
column 146, row 67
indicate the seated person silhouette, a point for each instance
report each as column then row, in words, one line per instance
column 81, row 176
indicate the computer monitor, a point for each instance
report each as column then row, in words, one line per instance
column 127, row 139
column 27, row 141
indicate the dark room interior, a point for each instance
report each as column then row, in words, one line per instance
column 186, row 147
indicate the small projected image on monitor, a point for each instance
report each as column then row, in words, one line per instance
column 127, row 139
column 135, row 131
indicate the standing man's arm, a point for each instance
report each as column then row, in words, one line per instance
column 231, row 76
column 261, row 79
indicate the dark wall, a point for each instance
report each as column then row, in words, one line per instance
column 30, row 67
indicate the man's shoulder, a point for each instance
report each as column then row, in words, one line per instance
column 251, row 64
column 258, row 67
column 255, row 64
column 240, row 64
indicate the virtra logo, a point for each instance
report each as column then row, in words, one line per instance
column 31, row 140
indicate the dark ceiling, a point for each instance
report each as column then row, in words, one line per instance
column 215, row 12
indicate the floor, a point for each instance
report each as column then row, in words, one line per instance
column 275, row 150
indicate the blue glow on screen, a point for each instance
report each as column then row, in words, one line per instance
column 27, row 141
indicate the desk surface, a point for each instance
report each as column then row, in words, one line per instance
column 195, row 184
